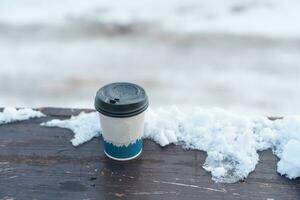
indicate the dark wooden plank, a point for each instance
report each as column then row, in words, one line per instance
column 40, row 163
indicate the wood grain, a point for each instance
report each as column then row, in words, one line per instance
column 40, row 163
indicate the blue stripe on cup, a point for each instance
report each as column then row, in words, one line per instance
column 123, row 152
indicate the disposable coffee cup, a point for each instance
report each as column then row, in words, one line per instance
column 121, row 108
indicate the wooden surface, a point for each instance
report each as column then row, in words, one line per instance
column 40, row 163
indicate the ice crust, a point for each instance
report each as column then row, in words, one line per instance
column 11, row 114
column 232, row 141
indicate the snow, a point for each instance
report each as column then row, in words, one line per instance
column 275, row 17
column 220, row 52
column 231, row 141
column 209, row 43
column 11, row 114
column 289, row 164
column 227, row 138
column 85, row 126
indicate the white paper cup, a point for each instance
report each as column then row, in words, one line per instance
column 121, row 108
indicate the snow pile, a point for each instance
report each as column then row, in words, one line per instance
column 10, row 114
column 289, row 164
column 85, row 126
column 283, row 136
column 227, row 138
column 230, row 140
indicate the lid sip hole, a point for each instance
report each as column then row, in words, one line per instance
column 112, row 101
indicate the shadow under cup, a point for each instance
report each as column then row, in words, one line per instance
column 121, row 108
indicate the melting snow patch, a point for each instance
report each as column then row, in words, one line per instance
column 85, row 126
column 10, row 114
column 230, row 140
column 227, row 138
column 289, row 164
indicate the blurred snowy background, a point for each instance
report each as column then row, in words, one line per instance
column 241, row 55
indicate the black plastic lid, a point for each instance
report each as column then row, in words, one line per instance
column 121, row 100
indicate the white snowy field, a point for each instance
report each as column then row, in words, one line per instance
column 241, row 55
column 262, row 17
